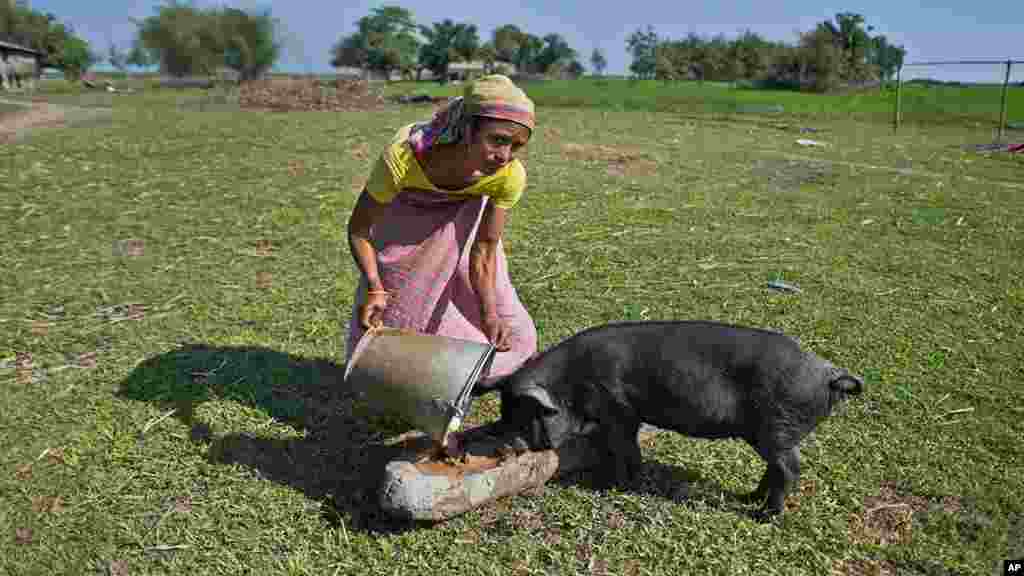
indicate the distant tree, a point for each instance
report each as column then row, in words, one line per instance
column 749, row 54
column 181, row 38
column 643, row 45
column 117, row 58
column 598, row 61
column 821, row 59
column 384, row 41
column 575, row 69
column 668, row 62
column 507, row 40
column 556, row 51
column 447, row 42
column 886, row 57
column 487, row 54
column 249, row 41
column 530, row 48
column 855, row 42
column 714, row 61
column 77, row 58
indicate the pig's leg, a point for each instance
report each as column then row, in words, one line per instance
column 619, row 428
column 782, row 474
column 625, row 451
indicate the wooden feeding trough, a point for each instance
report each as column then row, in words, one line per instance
column 418, row 485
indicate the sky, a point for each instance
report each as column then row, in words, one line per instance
column 942, row 30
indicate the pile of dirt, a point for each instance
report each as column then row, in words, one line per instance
column 309, row 94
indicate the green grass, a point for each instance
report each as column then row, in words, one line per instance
column 195, row 261
column 6, row 109
column 921, row 104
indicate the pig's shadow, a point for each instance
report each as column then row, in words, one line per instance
column 674, row 483
column 340, row 460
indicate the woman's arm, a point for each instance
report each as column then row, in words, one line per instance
column 363, row 216
column 483, row 261
column 359, row 224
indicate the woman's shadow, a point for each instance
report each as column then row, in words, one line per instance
column 339, row 461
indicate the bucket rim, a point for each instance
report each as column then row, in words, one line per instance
column 374, row 331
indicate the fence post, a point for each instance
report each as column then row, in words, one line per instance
column 1002, row 113
column 899, row 93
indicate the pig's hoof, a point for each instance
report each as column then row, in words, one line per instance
column 766, row 515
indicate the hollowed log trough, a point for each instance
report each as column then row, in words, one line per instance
column 419, row 487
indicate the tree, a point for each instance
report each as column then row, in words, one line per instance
column 821, row 59
column 487, row 54
column 506, row 41
column 575, row 69
column 886, row 57
column 77, row 58
column 669, row 64
column 530, row 47
column 556, row 51
column 117, row 57
column 384, row 41
column 447, row 42
column 249, row 41
column 598, row 61
column 749, row 55
column 855, row 42
column 643, row 45
column 181, row 38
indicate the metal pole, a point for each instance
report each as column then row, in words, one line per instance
column 899, row 86
column 1002, row 114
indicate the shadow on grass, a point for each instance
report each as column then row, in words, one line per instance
column 673, row 483
column 339, row 462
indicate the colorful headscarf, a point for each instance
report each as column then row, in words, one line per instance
column 493, row 96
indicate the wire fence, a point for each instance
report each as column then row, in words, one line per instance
column 984, row 95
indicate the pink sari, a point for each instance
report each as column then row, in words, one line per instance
column 423, row 259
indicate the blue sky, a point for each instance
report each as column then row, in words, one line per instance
column 939, row 30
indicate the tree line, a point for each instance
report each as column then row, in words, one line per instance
column 832, row 55
column 183, row 39
column 389, row 40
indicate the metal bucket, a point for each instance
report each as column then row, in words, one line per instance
column 424, row 378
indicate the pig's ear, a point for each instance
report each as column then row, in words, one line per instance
column 541, row 396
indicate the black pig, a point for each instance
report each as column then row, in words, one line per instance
column 699, row 378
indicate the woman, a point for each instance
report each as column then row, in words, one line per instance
column 426, row 230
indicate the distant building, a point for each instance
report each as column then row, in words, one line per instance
column 8, row 48
column 506, row 68
column 466, row 70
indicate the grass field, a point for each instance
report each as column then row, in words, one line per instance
column 926, row 105
column 177, row 284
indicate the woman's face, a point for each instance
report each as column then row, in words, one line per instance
column 494, row 143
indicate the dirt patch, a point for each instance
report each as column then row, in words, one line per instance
column 13, row 124
column 308, row 94
column 618, row 161
column 887, row 518
column 16, row 124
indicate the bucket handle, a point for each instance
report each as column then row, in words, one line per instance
column 459, row 407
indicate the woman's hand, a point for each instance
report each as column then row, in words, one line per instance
column 372, row 309
column 497, row 331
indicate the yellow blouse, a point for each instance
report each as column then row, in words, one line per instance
column 397, row 168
